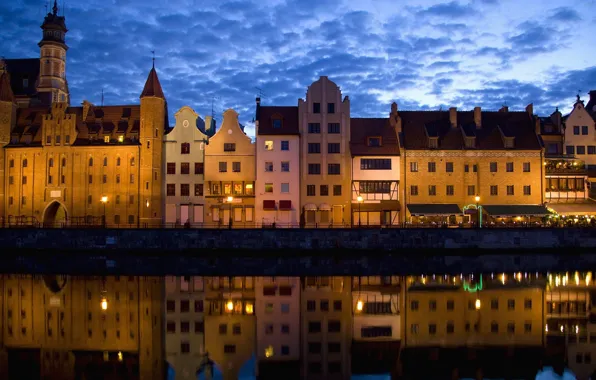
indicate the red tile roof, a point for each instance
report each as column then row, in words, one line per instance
column 363, row 128
column 152, row 86
column 289, row 120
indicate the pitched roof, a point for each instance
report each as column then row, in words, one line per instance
column 591, row 106
column 152, row 86
column 21, row 69
column 288, row 116
column 6, row 94
column 363, row 128
column 417, row 125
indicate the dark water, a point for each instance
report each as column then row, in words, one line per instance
column 497, row 326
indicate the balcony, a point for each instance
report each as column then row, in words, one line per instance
column 566, row 166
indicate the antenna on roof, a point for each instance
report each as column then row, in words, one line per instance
column 153, row 52
column 260, row 93
column 213, row 106
column 102, row 97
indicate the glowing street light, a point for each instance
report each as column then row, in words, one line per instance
column 104, row 200
column 478, row 211
column 230, row 306
column 104, row 303
column 359, row 305
column 360, row 200
column 477, row 304
column 230, row 200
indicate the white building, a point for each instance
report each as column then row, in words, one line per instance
column 277, row 302
column 184, row 324
column 277, row 166
column 375, row 172
column 184, row 168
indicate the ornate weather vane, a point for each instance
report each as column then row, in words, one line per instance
column 153, row 52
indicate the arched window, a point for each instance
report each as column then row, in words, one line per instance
column 148, row 144
column 105, row 161
column 63, row 162
column 156, row 132
column 91, row 161
column 51, row 163
column 132, row 161
column 118, row 161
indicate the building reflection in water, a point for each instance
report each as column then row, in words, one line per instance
column 500, row 325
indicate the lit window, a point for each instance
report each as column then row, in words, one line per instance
column 268, row 145
column 269, row 351
column 106, row 139
column 121, row 138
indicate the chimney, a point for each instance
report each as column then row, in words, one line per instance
column 453, row 116
column 592, row 96
column 478, row 117
column 86, row 105
column 258, row 111
column 504, row 109
column 394, row 119
column 530, row 109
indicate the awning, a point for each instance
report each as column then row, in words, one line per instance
column 579, row 208
column 515, row 210
column 436, row 209
column 324, row 207
column 285, row 205
column 310, row 207
column 268, row 205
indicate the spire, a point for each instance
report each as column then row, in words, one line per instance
column 6, row 94
column 55, row 8
column 152, row 86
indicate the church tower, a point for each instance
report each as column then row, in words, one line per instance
column 154, row 120
column 52, row 85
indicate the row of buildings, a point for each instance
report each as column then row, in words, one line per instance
column 312, row 164
column 299, row 328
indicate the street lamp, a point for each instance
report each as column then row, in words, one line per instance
column 104, row 303
column 230, row 200
column 104, row 200
column 477, row 304
column 360, row 200
column 478, row 211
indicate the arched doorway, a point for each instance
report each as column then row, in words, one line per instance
column 54, row 215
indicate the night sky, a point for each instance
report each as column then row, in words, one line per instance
column 423, row 55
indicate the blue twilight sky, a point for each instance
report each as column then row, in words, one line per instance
column 423, row 54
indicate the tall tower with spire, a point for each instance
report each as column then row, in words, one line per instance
column 52, row 86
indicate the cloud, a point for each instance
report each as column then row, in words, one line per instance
column 218, row 55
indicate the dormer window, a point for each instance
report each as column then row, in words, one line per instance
column 470, row 142
column 509, row 142
column 276, row 123
column 433, row 142
column 374, row 141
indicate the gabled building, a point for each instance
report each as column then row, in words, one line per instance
column 452, row 157
column 278, row 166
column 230, row 176
column 324, row 122
column 184, row 170
column 580, row 131
column 374, row 145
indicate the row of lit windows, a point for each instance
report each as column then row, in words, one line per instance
column 450, row 328
column 450, row 305
column 232, row 188
column 25, row 163
column 565, row 184
column 450, row 190
column 449, row 167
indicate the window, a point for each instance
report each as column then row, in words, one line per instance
column 494, row 304
column 581, row 149
column 570, row 149
column 527, row 190
column 236, row 167
column 104, row 179
column 432, row 190
column 493, row 167
column 229, row 349
column 285, row 350
column 185, row 347
column 223, row 167
column 576, row 129
column 374, row 141
column 199, row 327
column 511, row 304
column 198, row 305
column 432, row 305
column 471, row 190
column 268, row 187
column 508, row 167
column 48, row 139
column 268, row 145
column 333, row 326
column 311, row 305
column 414, row 305
column 199, row 168
column 285, row 166
column 171, row 327
column 414, row 190
column 449, row 190
column 314, row 347
column 494, row 190
column 131, row 199
column 314, row 327
column 24, row 180
column 117, row 178
column 184, row 168
column 414, row 328
column 526, row 167
column 132, row 178
column 90, row 179
column 432, row 328
column 185, row 327
column 450, row 305
column 223, row 329
column 276, row 123
column 229, row 147
column 528, row 304
column 316, row 108
column 185, row 189
column 324, row 190
column 333, row 147
column 510, row 190
column 314, row 148
column 171, row 168
column 475, row 168
column 199, row 189
column 236, row 329
column 314, row 168
column 333, row 169
column 310, row 190
column 413, row 167
column 185, row 148
column 67, row 139
column 131, row 219
column 336, row 190
column 375, row 164
column 584, row 130
column 330, row 107
column 314, row 127
column 285, row 145
column 432, row 167
column 528, row 327
column 333, row 128
column 285, row 188
column 449, row 167
column 11, row 164
column 450, row 327
column 268, row 166
column 494, row 327
column 511, row 328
